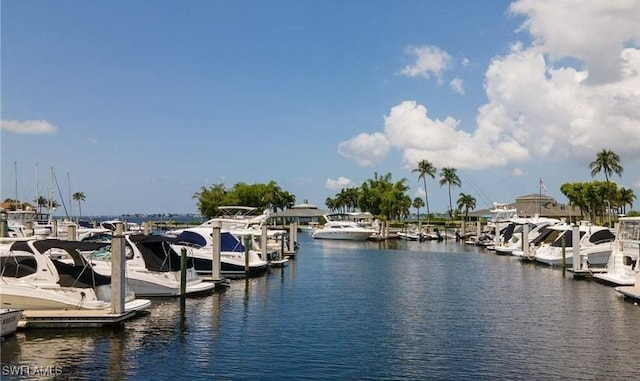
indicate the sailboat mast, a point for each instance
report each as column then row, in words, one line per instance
column 37, row 197
column 70, row 204
column 51, row 190
column 15, row 169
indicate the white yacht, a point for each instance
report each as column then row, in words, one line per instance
column 596, row 242
column 243, row 222
column 53, row 274
column 199, row 244
column 343, row 230
column 26, row 223
column 238, row 218
column 152, row 267
column 622, row 266
column 511, row 239
column 501, row 216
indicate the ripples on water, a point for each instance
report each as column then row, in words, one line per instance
column 366, row 311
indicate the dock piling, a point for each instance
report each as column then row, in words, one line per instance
column 215, row 260
column 263, row 242
column 247, row 244
column 577, row 257
column 71, row 233
column 117, row 271
column 564, row 254
column 4, row 228
column 183, row 273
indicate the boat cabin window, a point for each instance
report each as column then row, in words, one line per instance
column 568, row 239
column 602, row 236
column 630, row 229
column 17, row 266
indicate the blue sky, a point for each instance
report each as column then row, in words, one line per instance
column 138, row 104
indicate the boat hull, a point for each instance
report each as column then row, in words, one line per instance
column 230, row 268
column 632, row 292
column 28, row 297
column 595, row 258
column 10, row 319
column 341, row 235
column 153, row 287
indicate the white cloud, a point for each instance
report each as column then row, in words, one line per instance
column 457, row 85
column 339, row 184
column 409, row 128
column 430, row 60
column 92, row 140
column 31, row 127
column 365, row 149
column 592, row 31
column 517, row 172
column 465, row 62
column 541, row 105
column 554, row 113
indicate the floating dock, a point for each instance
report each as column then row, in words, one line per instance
column 32, row 319
column 586, row 273
column 219, row 282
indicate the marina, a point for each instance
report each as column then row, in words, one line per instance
column 375, row 310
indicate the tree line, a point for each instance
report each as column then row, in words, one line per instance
column 388, row 199
column 262, row 196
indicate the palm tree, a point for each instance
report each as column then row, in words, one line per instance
column 79, row 196
column 608, row 162
column 41, row 202
column 418, row 203
column 425, row 168
column 450, row 177
column 467, row 202
column 626, row 198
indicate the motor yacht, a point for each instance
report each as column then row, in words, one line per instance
column 153, row 267
column 343, row 230
column 595, row 242
column 233, row 260
column 53, row 274
column 622, row 266
column 511, row 239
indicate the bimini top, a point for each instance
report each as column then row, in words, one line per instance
column 73, row 248
column 228, row 242
column 157, row 253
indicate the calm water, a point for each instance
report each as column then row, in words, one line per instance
column 365, row 311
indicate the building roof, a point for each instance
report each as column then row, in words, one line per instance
column 532, row 204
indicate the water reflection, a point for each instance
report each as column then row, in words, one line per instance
column 405, row 311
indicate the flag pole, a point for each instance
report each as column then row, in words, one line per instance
column 540, row 198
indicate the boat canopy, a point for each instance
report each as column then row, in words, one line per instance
column 157, row 253
column 79, row 274
column 228, row 242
